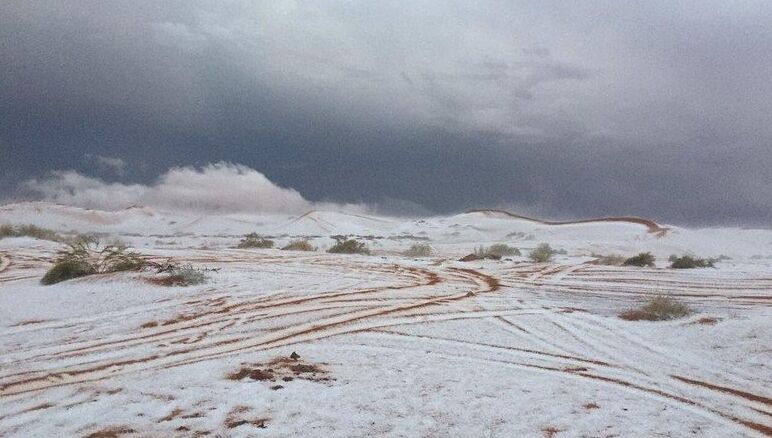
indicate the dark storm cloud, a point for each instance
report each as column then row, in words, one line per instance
column 589, row 108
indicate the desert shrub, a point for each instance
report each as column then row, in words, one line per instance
column 85, row 257
column 348, row 246
column 494, row 252
column 503, row 250
column 659, row 308
column 609, row 260
column 185, row 276
column 482, row 252
column 299, row 245
column 643, row 259
column 688, row 262
column 67, row 270
column 116, row 259
column 7, row 231
column 254, row 240
column 418, row 250
column 29, row 231
column 542, row 253
column 37, row 232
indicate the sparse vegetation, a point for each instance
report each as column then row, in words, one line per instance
column 184, row 276
column 348, row 246
column 493, row 252
column 609, row 260
column 520, row 235
column 503, row 250
column 659, row 308
column 254, row 240
column 29, row 231
column 85, row 257
column 644, row 259
column 299, row 245
column 67, row 270
column 419, row 250
column 689, row 262
column 542, row 253
column 7, row 231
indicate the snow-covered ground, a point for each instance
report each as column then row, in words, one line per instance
column 388, row 345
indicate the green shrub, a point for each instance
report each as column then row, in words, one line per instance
column 419, row 250
column 67, row 270
column 659, row 308
column 643, row 259
column 348, row 246
column 493, row 252
column 299, row 245
column 542, row 253
column 116, row 259
column 503, row 250
column 688, row 262
column 85, row 257
column 254, row 240
column 609, row 260
column 186, row 276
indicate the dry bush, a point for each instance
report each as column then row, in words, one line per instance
column 502, row 250
column 29, row 231
column 609, row 260
column 493, row 252
column 542, row 253
column 348, row 246
column 418, row 250
column 644, row 259
column 67, row 270
column 659, row 308
column 7, row 231
column 254, row 240
column 688, row 262
column 183, row 276
column 299, row 245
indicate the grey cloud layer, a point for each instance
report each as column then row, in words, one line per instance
column 586, row 108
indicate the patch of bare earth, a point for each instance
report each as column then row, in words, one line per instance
column 172, row 415
column 239, row 416
column 111, row 432
column 551, row 431
column 707, row 321
column 282, row 369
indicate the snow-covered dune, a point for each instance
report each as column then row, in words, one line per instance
column 388, row 345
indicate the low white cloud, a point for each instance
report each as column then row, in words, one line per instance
column 116, row 165
column 221, row 187
column 71, row 188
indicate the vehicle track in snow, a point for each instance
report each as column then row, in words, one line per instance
column 80, row 363
column 382, row 299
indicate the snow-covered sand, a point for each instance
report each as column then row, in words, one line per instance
column 388, row 345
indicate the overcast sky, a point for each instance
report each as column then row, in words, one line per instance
column 562, row 109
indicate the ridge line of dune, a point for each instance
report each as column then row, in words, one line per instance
column 652, row 226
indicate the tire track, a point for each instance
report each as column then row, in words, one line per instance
column 316, row 330
column 740, row 424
